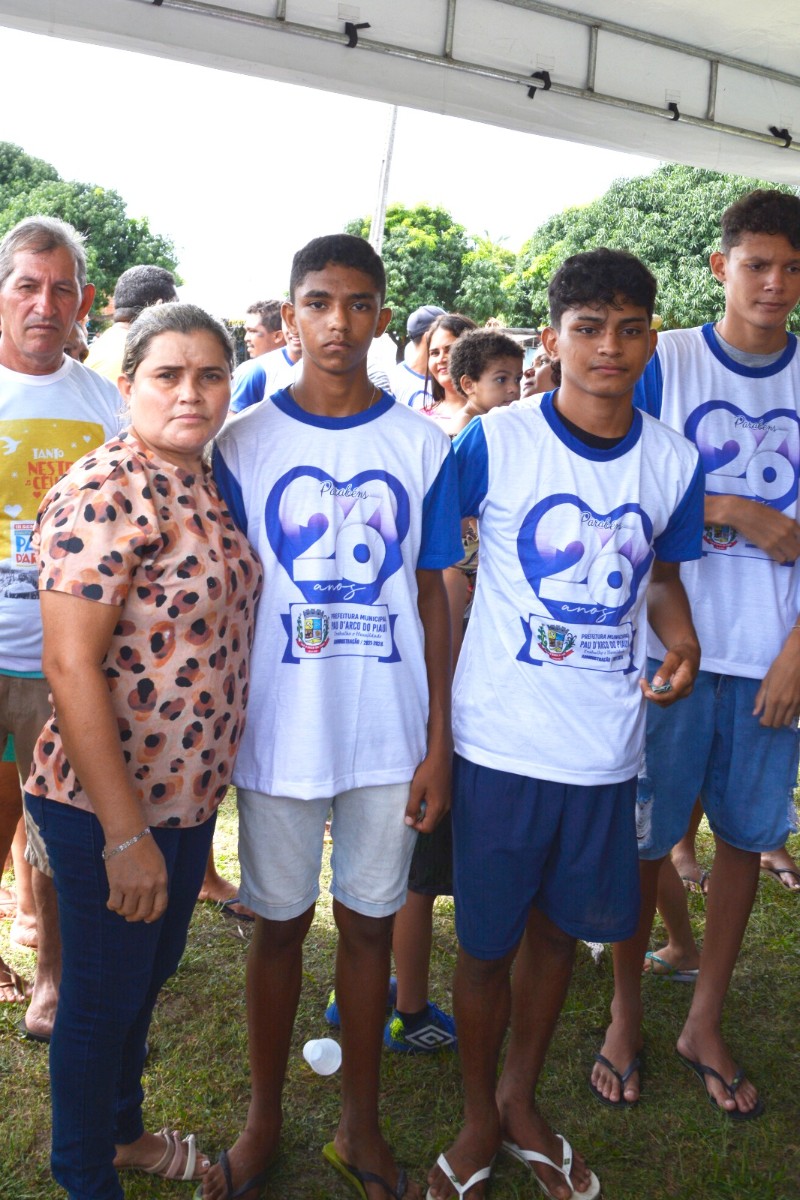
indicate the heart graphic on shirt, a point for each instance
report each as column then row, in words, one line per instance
column 87, row 437
column 585, row 566
column 752, row 456
column 337, row 539
column 12, row 510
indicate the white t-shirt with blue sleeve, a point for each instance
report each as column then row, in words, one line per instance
column 745, row 422
column 547, row 683
column 259, row 377
column 343, row 512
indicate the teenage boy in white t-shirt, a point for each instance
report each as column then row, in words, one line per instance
column 582, row 503
column 351, row 501
column 733, row 388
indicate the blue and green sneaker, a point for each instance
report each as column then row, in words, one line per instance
column 332, row 1011
column 436, row 1031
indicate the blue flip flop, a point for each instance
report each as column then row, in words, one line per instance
column 702, row 1072
column 250, row 1185
column 623, row 1076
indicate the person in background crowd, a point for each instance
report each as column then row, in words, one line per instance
column 263, row 330
column 136, row 289
column 409, row 382
column 50, row 404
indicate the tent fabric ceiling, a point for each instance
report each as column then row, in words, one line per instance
column 713, row 84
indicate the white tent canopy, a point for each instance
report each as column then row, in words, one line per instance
column 712, row 83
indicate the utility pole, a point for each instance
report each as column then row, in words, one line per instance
column 379, row 217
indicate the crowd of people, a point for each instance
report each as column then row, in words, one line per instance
column 511, row 594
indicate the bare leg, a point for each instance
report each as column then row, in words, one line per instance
column 732, row 889
column 42, row 1010
column 684, row 853
column 10, row 813
column 274, row 977
column 215, row 888
column 482, row 1005
column 362, row 980
column 681, row 949
column 541, row 977
column 411, row 943
column 623, row 1039
column 783, row 868
column 23, row 928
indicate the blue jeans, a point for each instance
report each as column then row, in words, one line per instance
column 113, row 971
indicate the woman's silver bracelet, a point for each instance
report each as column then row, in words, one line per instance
column 107, row 854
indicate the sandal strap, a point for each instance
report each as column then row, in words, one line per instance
column 169, row 1166
column 533, row 1156
column 462, row 1188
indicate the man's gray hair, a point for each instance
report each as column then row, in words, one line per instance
column 40, row 234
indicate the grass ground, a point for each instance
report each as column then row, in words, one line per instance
column 672, row 1145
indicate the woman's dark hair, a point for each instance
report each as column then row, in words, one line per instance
column 453, row 323
column 170, row 318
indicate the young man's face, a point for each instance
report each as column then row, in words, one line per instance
column 498, row 385
column 761, row 277
column 257, row 339
column 39, row 303
column 602, row 350
column 336, row 313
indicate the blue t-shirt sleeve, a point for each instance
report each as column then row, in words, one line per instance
column 472, row 457
column 229, row 489
column 249, row 385
column 440, row 544
column 649, row 390
column 683, row 537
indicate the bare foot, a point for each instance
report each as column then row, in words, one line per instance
column 23, row 931
column 8, row 904
column 216, row 889
column 165, row 1154
column 247, row 1159
column 708, row 1049
column 674, row 958
column 473, row 1149
column 622, row 1044
column 41, row 1014
column 782, row 866
column 376, row 1157
column 13, row 988
column 529, row 1131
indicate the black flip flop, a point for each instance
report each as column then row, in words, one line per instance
column 226, row 909
column 28, row 1035
column 623, row 1077
column 702, row 1071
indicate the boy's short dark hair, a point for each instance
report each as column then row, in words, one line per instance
column 600, row 277
column 269, row 314
column 761, row 211
column 344, row 250
column 476, row 350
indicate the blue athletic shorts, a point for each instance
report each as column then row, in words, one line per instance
column 518, row 843
column 710, row 745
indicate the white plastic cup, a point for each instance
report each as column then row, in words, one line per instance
column 323, row 1055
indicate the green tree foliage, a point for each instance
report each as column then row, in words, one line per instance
column 670, row 219
column 114, row 241
column 430, row 259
